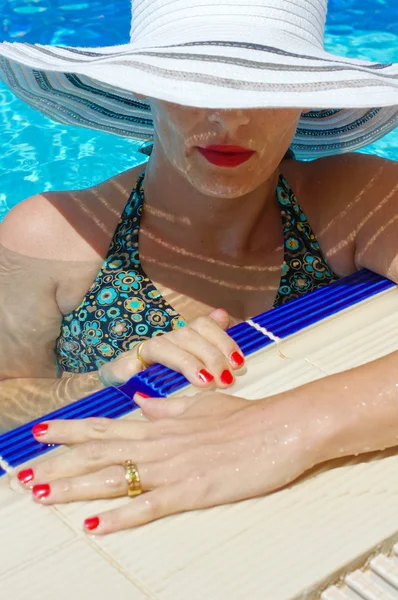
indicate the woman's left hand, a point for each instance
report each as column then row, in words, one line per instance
column 195, row 452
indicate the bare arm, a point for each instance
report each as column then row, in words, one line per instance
column 354, row 412
column 362, row 403
column 51, row 247
column 30, row 322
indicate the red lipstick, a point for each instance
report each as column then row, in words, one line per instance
column 225, row 156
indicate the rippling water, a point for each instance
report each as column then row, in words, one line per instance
column 39, row 155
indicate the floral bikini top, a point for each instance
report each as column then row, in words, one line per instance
column 123, row 306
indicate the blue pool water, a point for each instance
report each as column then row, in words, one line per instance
column 37, row 154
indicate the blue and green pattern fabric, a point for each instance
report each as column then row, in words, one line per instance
column 123, row 306
column 304, row 267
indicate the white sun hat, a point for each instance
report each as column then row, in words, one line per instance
column 223, row 54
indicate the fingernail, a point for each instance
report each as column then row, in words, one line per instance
column 91, row 523
column 39, row 429
column 227, row 377
column 205, row 376
column 237, row 358
column 25, row 476
column 41, row 491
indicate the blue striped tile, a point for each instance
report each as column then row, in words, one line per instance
column 303, row 312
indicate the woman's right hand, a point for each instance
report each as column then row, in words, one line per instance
column 202, row 351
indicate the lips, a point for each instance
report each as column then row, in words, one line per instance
column 225, row 156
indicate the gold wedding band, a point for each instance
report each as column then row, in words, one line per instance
column 139, row 357
column 133, row 479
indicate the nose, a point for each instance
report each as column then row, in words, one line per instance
column 229, row 120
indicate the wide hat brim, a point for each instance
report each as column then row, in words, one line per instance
column 354, row 102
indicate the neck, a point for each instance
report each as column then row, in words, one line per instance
column 181, row 215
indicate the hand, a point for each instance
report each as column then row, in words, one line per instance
column 201, row 351
column 196, row 452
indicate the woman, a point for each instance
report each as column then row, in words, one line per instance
column 206, row 216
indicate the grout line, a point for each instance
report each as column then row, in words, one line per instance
column 32, row 560
column 91, row 541
column 278, row 341
column 309, row 361
column 264, row 331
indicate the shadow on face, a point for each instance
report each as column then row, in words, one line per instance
column 184, row 134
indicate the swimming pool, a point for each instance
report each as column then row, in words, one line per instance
column 39, row 155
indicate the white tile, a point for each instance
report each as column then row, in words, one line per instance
column 276, row 547
column 28, row 531
column 75, row 572
column 363, row 324
column 294, row 542
column 362, row 345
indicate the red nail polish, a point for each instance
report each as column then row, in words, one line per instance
column 205, row 376
column 39, row 429
column 227, row 377
column 41, row 490
column 25, row 476
column 142, row 395
column 91, row 523
column 237, row 358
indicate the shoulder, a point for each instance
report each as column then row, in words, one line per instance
column 68, row 225
column 355, row 168
column 355, row 185
column 347, row 197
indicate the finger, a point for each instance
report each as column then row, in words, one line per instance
column 78, row 431
column 187, row 352
column 163, row 408
column 96, row 455
column 213, row 333
column 148, row 507
column 190, row 414
column 105, row 483
column 221, row 317
column 120, row 369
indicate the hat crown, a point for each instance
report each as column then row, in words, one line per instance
column 162, row 21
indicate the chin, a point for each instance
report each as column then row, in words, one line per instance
column 217, row 188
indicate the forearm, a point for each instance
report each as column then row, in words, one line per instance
column 22, row 400
column 355, row 411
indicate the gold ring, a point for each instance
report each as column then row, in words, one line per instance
column 139, row 357
column 133, row 479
